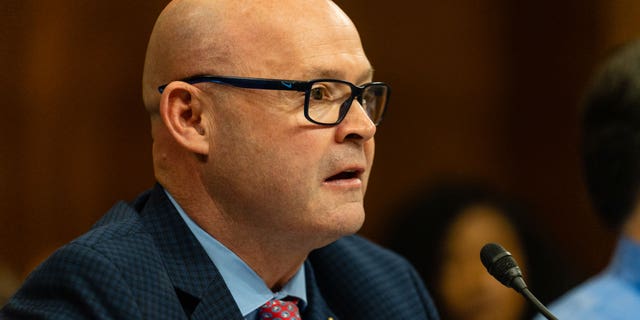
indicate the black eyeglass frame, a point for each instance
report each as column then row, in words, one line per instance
column 294, row 85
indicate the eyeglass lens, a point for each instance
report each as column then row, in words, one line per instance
column 330, row 101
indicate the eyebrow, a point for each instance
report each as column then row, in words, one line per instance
column 339, row 74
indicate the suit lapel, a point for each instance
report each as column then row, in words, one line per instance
column 199, row 286
column 317, row 308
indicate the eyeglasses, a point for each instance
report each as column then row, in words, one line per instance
column 326, row 102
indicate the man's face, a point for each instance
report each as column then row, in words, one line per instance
column 271, row 169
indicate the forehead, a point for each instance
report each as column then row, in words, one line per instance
column 314, row 41
column 356, row 76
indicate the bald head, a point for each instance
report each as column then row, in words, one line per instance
column 229, row 37
column 183, row 33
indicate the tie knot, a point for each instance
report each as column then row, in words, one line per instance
column 280, row 310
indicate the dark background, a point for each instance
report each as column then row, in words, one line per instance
column 482, row 89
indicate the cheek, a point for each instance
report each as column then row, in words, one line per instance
column 369, row 152
column 271, row 163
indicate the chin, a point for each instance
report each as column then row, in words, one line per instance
column 333, row 224
column 346, row 222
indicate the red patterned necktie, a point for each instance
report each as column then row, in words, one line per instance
column 280, row 310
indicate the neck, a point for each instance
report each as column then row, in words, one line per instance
column 275, row 260
column 247, row 239
column 252, row 244
column 631, row 227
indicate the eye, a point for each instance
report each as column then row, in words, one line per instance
column 319, row 93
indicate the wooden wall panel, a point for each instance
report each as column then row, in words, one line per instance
column 620, row 22
column 553, row 47
column 78, row 136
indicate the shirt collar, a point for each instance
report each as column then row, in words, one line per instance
column 247, row 288
column 626, row 261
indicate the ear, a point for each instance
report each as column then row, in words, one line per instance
column 182, row 111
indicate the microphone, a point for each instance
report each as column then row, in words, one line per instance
column 502, row 266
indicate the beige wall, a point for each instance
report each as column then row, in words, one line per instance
column 487, row 89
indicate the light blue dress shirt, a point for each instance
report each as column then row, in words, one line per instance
column 247, row 288
column 613, row 294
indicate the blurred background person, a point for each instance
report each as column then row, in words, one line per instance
column 611, row 155
column 441, row 231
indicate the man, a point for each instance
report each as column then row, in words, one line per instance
column 260, row 181
column 611, row 138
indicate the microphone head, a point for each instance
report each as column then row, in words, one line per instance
column 501, row 265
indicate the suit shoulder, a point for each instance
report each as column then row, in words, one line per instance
column 121, row 221
column 75, row 282
column 355, row 274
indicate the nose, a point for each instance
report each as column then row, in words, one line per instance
column 356, row 125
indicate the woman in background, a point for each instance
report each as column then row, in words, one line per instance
column 442, row 231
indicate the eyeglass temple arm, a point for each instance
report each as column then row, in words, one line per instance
column 248, row 83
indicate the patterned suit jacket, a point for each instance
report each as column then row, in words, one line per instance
column 140, row 261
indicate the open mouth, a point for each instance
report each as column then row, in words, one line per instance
column 345, row 175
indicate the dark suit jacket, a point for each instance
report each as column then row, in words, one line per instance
column 140, row 261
